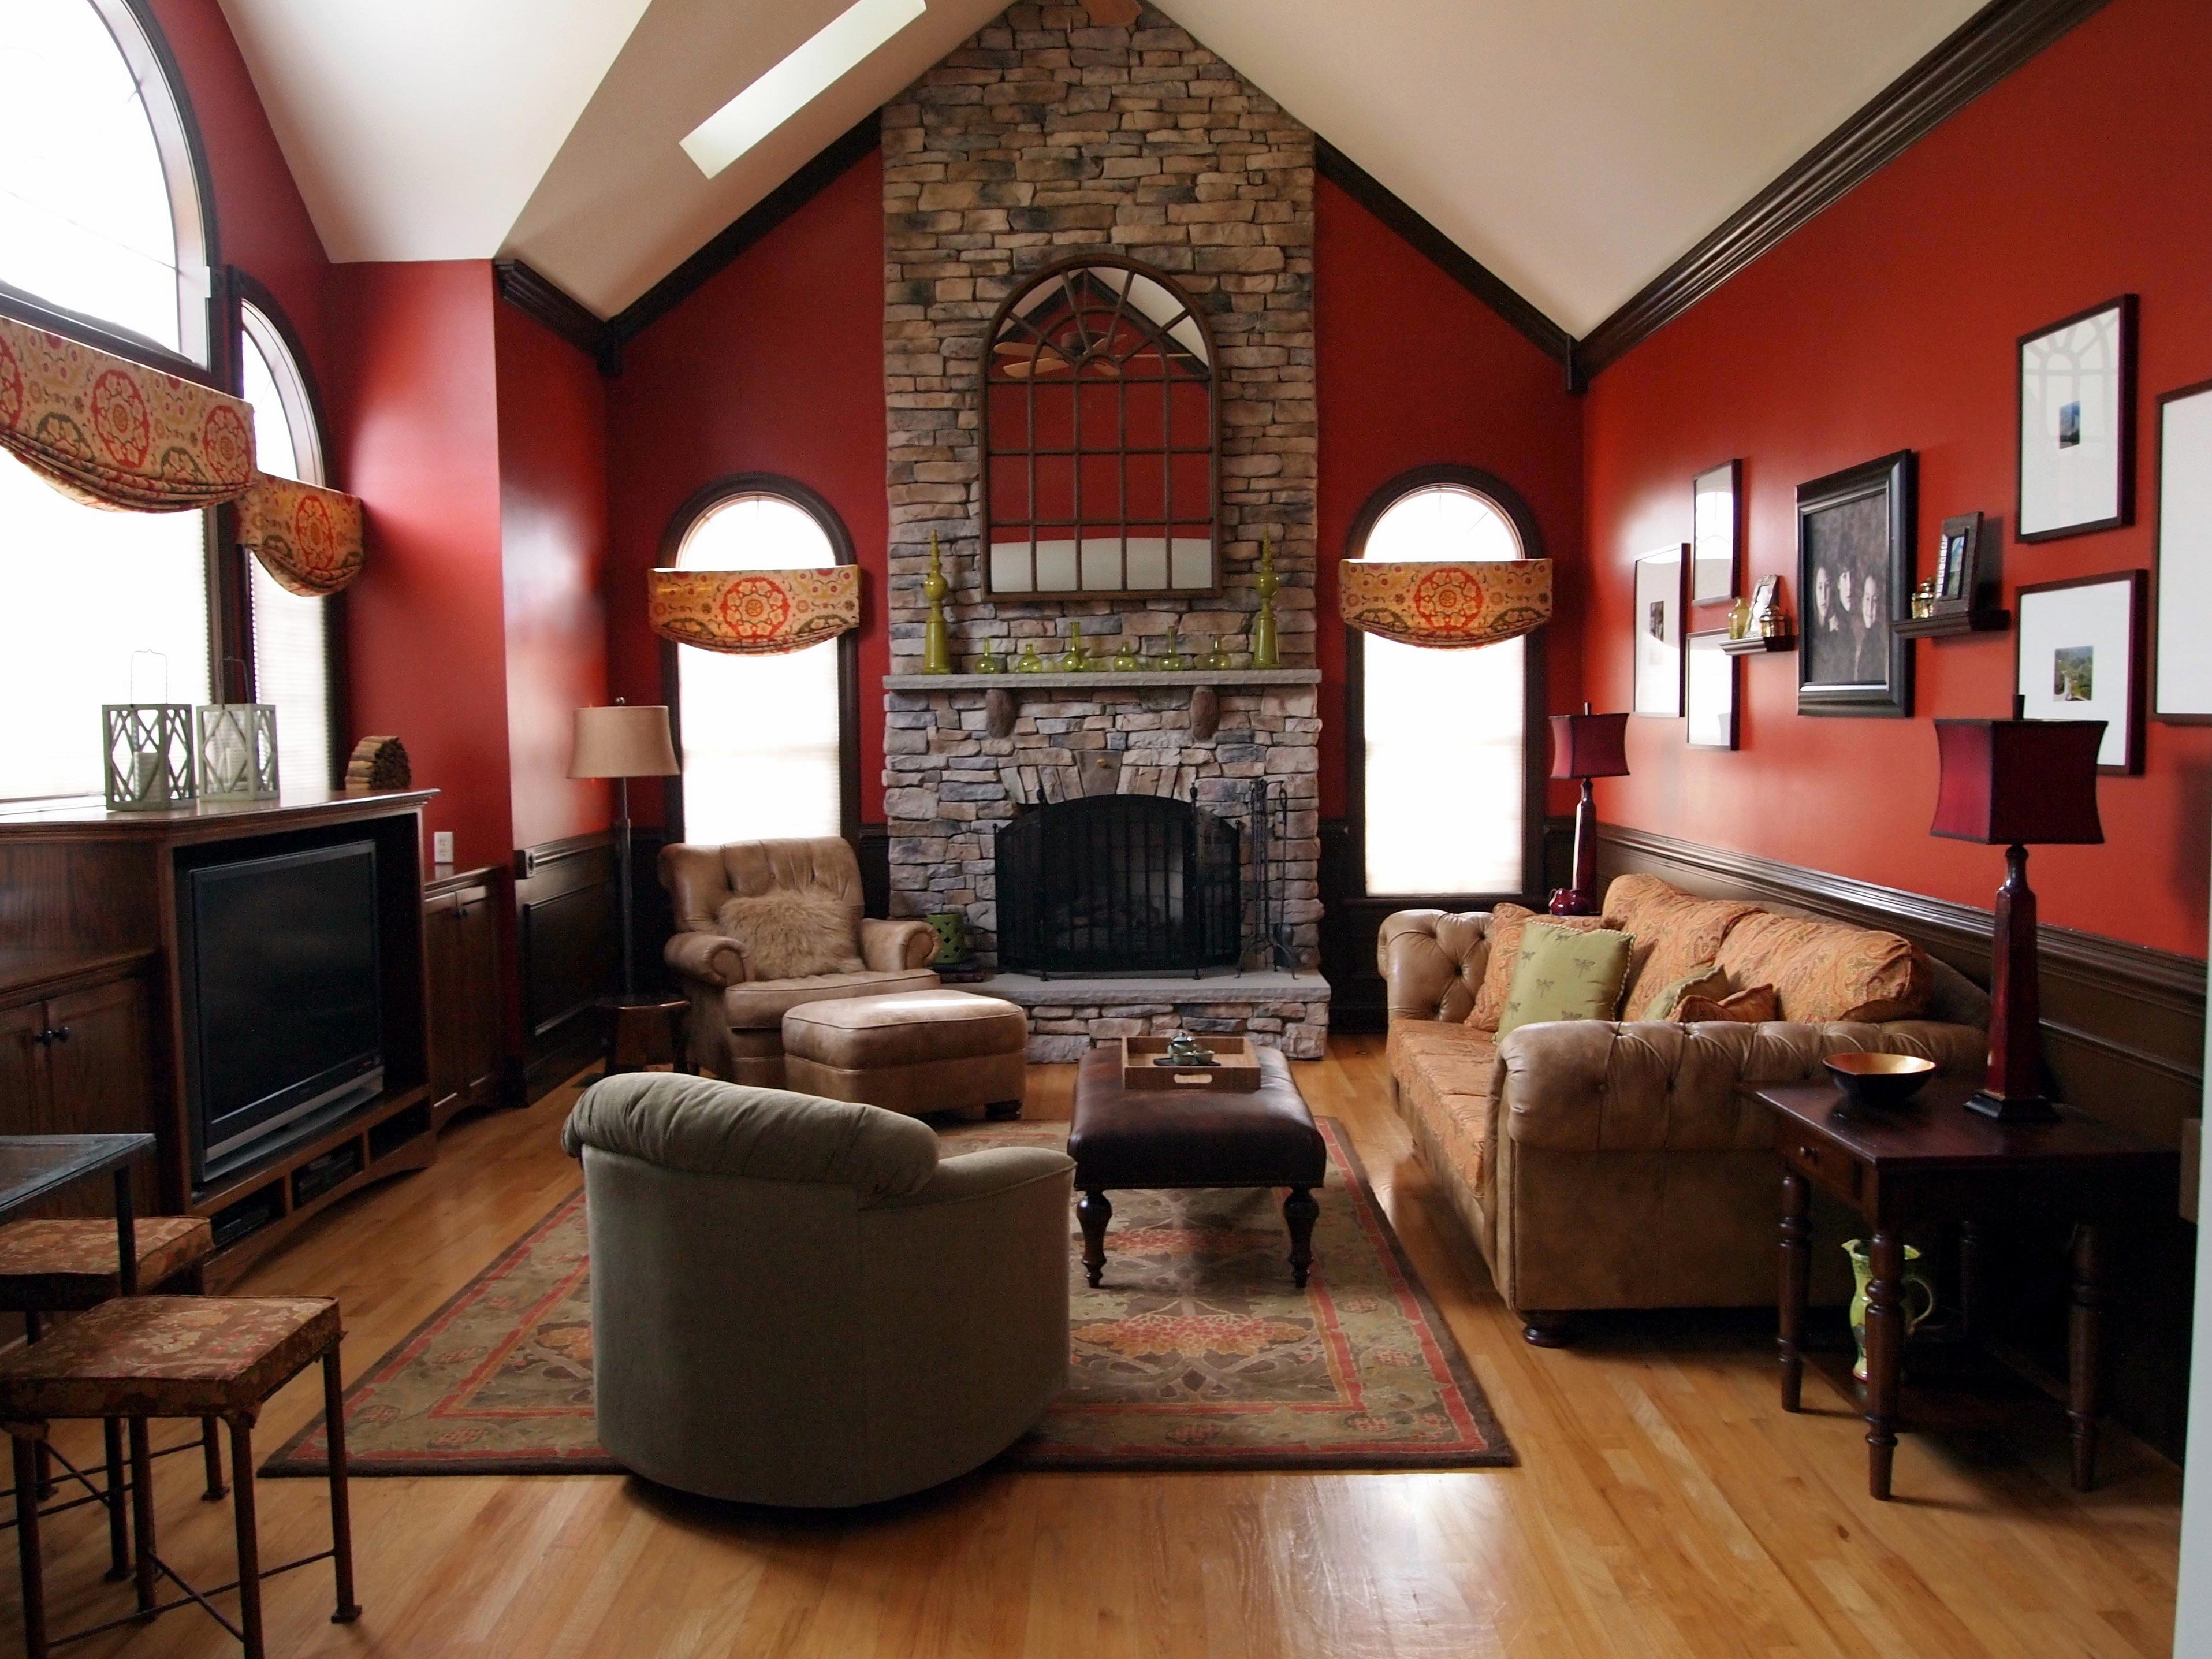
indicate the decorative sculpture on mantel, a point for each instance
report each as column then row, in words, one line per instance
column 936, row 637
column 1266, row 650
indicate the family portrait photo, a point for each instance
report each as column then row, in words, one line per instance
column 1855, row 564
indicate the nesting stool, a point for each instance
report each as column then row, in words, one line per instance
column 915, row 1052
column 146, row 1356
column 67, row 1265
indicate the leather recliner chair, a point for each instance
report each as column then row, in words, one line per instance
column 736, row 1025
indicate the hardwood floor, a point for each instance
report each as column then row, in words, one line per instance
column 1664, row 1505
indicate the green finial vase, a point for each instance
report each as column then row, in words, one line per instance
column 1266, row 650
column 936, row 637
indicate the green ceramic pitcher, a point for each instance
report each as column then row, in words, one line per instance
column 1862, row 1274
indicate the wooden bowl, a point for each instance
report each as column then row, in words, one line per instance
column 1879, row 1080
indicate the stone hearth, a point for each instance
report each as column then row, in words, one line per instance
column 1067, row 1016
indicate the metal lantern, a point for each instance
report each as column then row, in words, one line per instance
column 238, row 752
column 149, row 755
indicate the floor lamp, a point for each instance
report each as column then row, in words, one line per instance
column 2006, row 783
column 622, row 742
column 1586, row 746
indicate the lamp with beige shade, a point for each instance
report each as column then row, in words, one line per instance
column 622, row 742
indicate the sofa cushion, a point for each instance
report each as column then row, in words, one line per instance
column 1565, row 973
column 1676, row 934
column 785, row 934
column 761, row 1003
column 1707, row 979
column 1826, row 971
column 1748, row 1007
column 1445, row 1074
column 1506, row 922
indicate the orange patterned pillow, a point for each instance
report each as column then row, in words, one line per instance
column 1506, row 922
column 1826, row 971
column 1674, row 937
column 1749, row 1007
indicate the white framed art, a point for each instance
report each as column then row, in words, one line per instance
column 1709, row 682
column 1716, row 521
column 2080, row 658
column 2183, row 648
column 1661, row 583
column 2077, row 423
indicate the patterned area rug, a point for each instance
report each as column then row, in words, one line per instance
column 1197, row 1353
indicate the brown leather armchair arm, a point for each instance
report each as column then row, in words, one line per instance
column 710, row 958
column 1589, row 1085
column 1432, row 962
column 891, row 947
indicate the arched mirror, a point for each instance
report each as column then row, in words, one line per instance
column 1099, row 436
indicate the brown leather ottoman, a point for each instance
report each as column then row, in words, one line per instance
column 915, row 1052
column 1127, row 1138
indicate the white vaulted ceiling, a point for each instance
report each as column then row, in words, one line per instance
column 1575, row 147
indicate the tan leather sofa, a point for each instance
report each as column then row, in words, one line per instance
column 795, row 1301
column 1617, row 1164
column 736, row 1027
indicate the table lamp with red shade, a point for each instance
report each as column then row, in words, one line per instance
column 2008, row 783
column 1586, row 746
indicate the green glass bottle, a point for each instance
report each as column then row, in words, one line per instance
column 1029, row 662
column 1218, row 659
column 1126, row 659
column 1174, row 662
column 1075, row 660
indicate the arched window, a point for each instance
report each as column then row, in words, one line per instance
column 1442, row 737
column 101, row 234
column 763, row 739
column 100, row 201
column 291, row 632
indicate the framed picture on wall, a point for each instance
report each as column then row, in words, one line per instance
column 1855, row 569
column 2184, row 556
column 1958, row 565
column 1717, row 533
column 1708, row 678
column 1661, row 583
column 2077, row 423
column 2081, row 659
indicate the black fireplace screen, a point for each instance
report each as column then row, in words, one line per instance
column 1118, row 884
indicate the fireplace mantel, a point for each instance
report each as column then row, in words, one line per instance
column 1104, row 679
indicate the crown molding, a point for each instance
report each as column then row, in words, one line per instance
column 1984, row 50
column 538, row 296
column 1448, row 256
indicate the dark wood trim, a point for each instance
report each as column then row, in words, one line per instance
column 26, row 307
column 764, row 217
column 540, row 298
column 1448, row 256
column 2126, row 305
column 1990, row 46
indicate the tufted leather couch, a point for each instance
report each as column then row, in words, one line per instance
column 736, row 1027
column 1617, row 1164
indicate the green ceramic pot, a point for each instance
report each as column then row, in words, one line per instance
column 1863, row 1275
column 951, row 927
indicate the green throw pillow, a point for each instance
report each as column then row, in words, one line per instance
column 1566, row 975
column 1703, row 980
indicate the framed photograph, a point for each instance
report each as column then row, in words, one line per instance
column 1855, row 572
column 1958, row 562
column 2184, row 557
column 1717, row 533
column 1662, row 581
column 2077, row 423
column 2081, row 659
column 1764, row 598
column 1709, row 690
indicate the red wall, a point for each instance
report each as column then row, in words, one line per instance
column 1413, row 370
column 1890, row 322
column 776, row 365
column 553, row 515
column 414, row 401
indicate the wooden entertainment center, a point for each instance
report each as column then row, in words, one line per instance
column 92, row 1019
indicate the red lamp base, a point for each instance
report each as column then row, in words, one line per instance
column 1572, row 902
column 2013, row 1108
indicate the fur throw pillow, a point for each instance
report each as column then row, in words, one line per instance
column 787, row 935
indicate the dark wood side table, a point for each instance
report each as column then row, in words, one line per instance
column 1932, row 1163
column 643, row 1032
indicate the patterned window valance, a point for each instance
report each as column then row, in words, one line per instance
column 1448, row 606
column 111, row 433
column 307, row 538
column 753, row 612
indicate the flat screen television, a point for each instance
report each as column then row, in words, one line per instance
column 282, row 995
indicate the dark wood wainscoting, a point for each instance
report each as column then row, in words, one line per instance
column 2124, row 1035
column 873, row 847
column 566, row 940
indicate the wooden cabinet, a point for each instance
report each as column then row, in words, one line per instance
column 77, row 1058
column 461, row 933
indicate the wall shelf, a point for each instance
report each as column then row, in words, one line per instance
column 1944, row 628
column 1757, row 645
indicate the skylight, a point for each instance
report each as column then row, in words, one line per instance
column 810, row 70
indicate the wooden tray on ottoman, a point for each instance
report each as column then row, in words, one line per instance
column 1235, row 1068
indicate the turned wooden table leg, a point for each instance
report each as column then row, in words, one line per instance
column 1885, row 1339
column 26, row 1548
column 249, row 1536
column 2085, row 1341
column 1797, row 1283
column 1094, row 1210
column 1300, row 1213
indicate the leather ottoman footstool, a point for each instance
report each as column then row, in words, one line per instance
column 915, row 1052
column 1141, row 1137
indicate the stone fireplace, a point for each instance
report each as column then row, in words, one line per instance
column 1041, row 136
